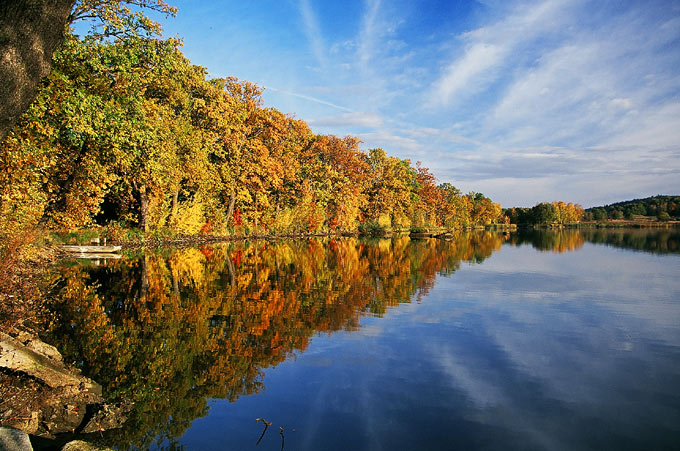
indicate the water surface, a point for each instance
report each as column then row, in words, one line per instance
column 567, row 340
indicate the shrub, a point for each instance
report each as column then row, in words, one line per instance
column 663, row 216
column 420, row 230
column 372, row 228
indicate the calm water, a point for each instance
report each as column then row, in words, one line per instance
column 490, row 341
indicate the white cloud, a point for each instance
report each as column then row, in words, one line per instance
column 490, row 48
column 462, row 74
column 619, row 103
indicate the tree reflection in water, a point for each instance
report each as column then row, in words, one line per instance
column 170, row 331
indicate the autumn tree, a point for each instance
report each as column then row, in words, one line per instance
column 393, row 190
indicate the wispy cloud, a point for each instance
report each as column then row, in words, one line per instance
column 465, row 72
column 368, row 32
column 358, row 119
column 310, row 98
column 488, row 49
column 313, row 32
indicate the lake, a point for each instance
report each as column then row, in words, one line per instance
column 536, row 340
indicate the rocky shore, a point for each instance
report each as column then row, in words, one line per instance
column 44, row 400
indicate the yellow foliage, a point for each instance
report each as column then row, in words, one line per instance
column 188, row 219
column 384, row 220
column 283, row 221
column 400, row 221
column 188, row 265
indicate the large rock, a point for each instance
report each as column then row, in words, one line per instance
column 79, row 445
column 42, row 396
column 14, row 440
column 16, row 356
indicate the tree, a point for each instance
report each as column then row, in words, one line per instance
column 30, row 32
column 543, row 213
column 393, row 189
column 663, row 216
column 120, row 18
column 599, row 214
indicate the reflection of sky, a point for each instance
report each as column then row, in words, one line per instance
column 528, row 350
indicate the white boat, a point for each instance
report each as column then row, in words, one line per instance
column 76, row 249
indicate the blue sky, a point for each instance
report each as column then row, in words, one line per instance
column 525, row 101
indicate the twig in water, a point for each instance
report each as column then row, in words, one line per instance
column 266, row 426
column 282, row 437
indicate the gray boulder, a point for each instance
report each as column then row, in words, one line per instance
column 14, row 440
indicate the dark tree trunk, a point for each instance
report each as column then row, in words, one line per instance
column 30, row 32
column 145, row 277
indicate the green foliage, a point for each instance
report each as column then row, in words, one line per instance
column 84, row 236
column 649, row 206
column 420, row 229
column 372, row 228
column 543, row 213
column 663, row 216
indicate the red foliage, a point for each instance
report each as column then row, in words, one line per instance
column 237, row 257
column 206, row 229
column 238, row 220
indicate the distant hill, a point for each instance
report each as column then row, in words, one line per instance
column 662, row 207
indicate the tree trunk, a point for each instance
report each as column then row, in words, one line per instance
column 144, row 289
column 230, row 210
column 256, row 213
column 175, row 200
column 232, row 271
column 30, row 32
column 143, row 209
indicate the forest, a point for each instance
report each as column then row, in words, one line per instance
column 663, row 208
column 126, row 132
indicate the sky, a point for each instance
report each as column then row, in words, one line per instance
column 524, row 101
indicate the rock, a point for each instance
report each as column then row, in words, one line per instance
column 79, row 445
column 28, row 425
column 16, row 356
column 39, row 346
column 108, row 416
column 62, row 414
column 14, row 440
column 43, row 397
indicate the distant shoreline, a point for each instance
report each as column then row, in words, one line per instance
column 610, row 224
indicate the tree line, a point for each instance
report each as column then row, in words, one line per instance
column 663, row 208
column 126, row 130
column 557, row 212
